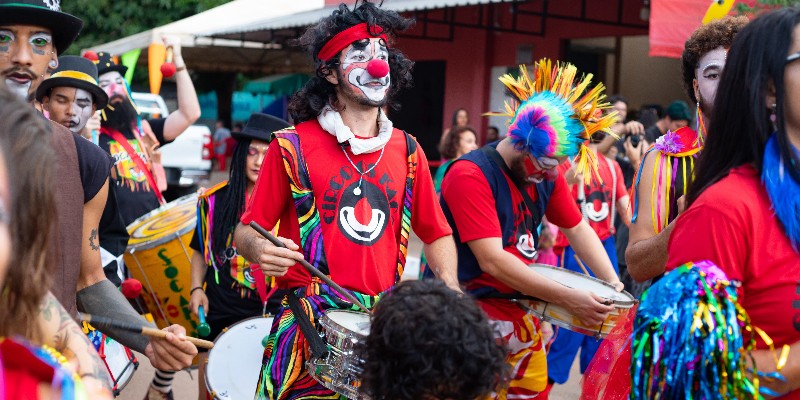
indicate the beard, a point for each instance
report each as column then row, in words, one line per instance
column 520, row 173
column 355, row 96
column 121, row 118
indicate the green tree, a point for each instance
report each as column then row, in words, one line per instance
column 106, row 20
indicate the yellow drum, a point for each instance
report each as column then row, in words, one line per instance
column 159, row 256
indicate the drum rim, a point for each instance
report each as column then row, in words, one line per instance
column 625, row 303
column 216, row 339
column 344, row 328
column 164, row 239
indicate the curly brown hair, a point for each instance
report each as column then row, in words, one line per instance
column 449, row 148
column 706, row 38
column 309, row 101
column 25, row 136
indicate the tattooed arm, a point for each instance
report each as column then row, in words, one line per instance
column 61, row 332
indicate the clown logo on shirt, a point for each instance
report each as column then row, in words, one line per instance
column 526, row 242
column 363, row 210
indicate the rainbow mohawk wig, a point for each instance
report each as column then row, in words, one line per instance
column 551, row 116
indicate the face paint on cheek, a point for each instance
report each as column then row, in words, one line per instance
column 361, row 81
column 81, row 110
column 4, row 48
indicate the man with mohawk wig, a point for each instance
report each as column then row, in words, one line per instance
column 513, row 184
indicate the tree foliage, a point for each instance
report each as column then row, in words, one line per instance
column 106, row 20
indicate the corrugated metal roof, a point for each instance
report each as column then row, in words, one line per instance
column 310, row 17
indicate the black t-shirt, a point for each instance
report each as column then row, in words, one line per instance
column 94, row 165
column 135, row 195
column 652, row 133
column 228, row 300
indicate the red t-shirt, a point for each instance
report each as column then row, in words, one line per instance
column 599, row 196
column 732, row 225
column 361, row 233
column 476, row 218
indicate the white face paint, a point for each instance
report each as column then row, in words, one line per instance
column 70, row 107
column 114, row 85
column 709, row 69
column 354, row 67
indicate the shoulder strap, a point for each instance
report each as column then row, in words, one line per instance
column 493, row 155
column 120, row 138
column 300, row 183
column 612, row 217
column 405, row 225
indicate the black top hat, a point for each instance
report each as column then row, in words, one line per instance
column 105, row 63
column 46, row 13
column 78, row 72
column 260, row 126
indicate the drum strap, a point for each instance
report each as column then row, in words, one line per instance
column 120, row 138
column 318, row 347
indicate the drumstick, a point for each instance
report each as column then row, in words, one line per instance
column 202, row 328
column 104, row 323
column 580, row 264
column 311, row 269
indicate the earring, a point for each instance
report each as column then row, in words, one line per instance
column 53, row 64
column 772, row 115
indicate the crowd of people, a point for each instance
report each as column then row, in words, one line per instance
column 573, row 182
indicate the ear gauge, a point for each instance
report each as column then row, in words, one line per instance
column 53, row 64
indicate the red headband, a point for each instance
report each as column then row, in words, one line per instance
column 347, row 36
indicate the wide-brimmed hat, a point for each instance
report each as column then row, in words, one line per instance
column 105, row 63
column 77, row 72
column 45, row 13
column 260, row 126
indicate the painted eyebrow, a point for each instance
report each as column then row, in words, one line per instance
column 361, row 44
column 711, row 65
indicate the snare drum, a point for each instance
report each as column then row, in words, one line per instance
column 341, row 370
column 119, row 360
column 235, row 361
column 560, row 316
column 159, row 256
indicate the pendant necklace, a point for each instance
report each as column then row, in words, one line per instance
column 357, row 190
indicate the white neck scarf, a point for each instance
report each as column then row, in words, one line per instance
column 331, row 122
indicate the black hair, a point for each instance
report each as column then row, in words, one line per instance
column 228, row 210
column 655, row 107
column 615, row 98
column 740, row 124
column 309, row 101
column 427, row 341
column 455, row 116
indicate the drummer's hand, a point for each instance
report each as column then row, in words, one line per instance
column 275, row 261
column 588, row 307
column 172, row 353
column 618, row 286
column 199, row 298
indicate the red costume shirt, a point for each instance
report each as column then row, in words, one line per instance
column 598, row 205
column 472, row 204
column 732, row 225
column 361, row 234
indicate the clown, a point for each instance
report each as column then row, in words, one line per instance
column 512, row 184
column 359, row 181
column 666, row 170
column 133, row 141
column 71, row 95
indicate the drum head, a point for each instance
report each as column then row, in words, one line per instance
column 583, row 282
column 159, row 225
column 120, row 362
column 352, row 320
column 235, row 361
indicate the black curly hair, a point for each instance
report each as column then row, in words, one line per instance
column 308, row 102
column 428, row 342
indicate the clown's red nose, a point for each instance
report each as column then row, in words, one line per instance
column 378, row 68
